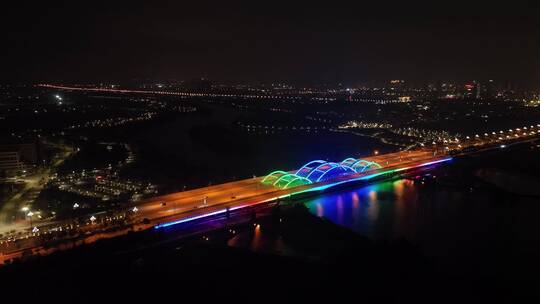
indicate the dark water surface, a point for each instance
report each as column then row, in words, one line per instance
column 461, row 219
column 440, row 222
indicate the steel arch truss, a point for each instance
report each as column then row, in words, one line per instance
column 360, row 165
column 318, row 171
column 284, row 180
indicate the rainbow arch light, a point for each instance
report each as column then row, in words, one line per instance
column 318, row 171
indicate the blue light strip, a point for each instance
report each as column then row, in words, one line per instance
column 189, row 219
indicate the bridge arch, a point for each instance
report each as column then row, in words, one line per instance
column 348, row 162
column 309, row 166
column 317, row 171
column 359, row 165
column 303, row 180
column 275, row 174
column 367, row 165
column 286, row 177
column 338, row 167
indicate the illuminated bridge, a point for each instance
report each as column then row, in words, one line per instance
column 313, row 178
column 318, row 171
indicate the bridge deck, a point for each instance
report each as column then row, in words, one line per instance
column 251, row 191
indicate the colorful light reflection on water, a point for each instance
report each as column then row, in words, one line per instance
column 383, row 210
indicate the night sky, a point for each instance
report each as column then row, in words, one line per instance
column 275, row 41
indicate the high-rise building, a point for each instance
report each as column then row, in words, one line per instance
column 28, row 152
column 489, row 90
column 16, row 157
column 10, row 163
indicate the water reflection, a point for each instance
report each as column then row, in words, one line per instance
column 442, row 221
column 379, row 211
column 320, row 210
column 373, row 207
column 256, row 240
